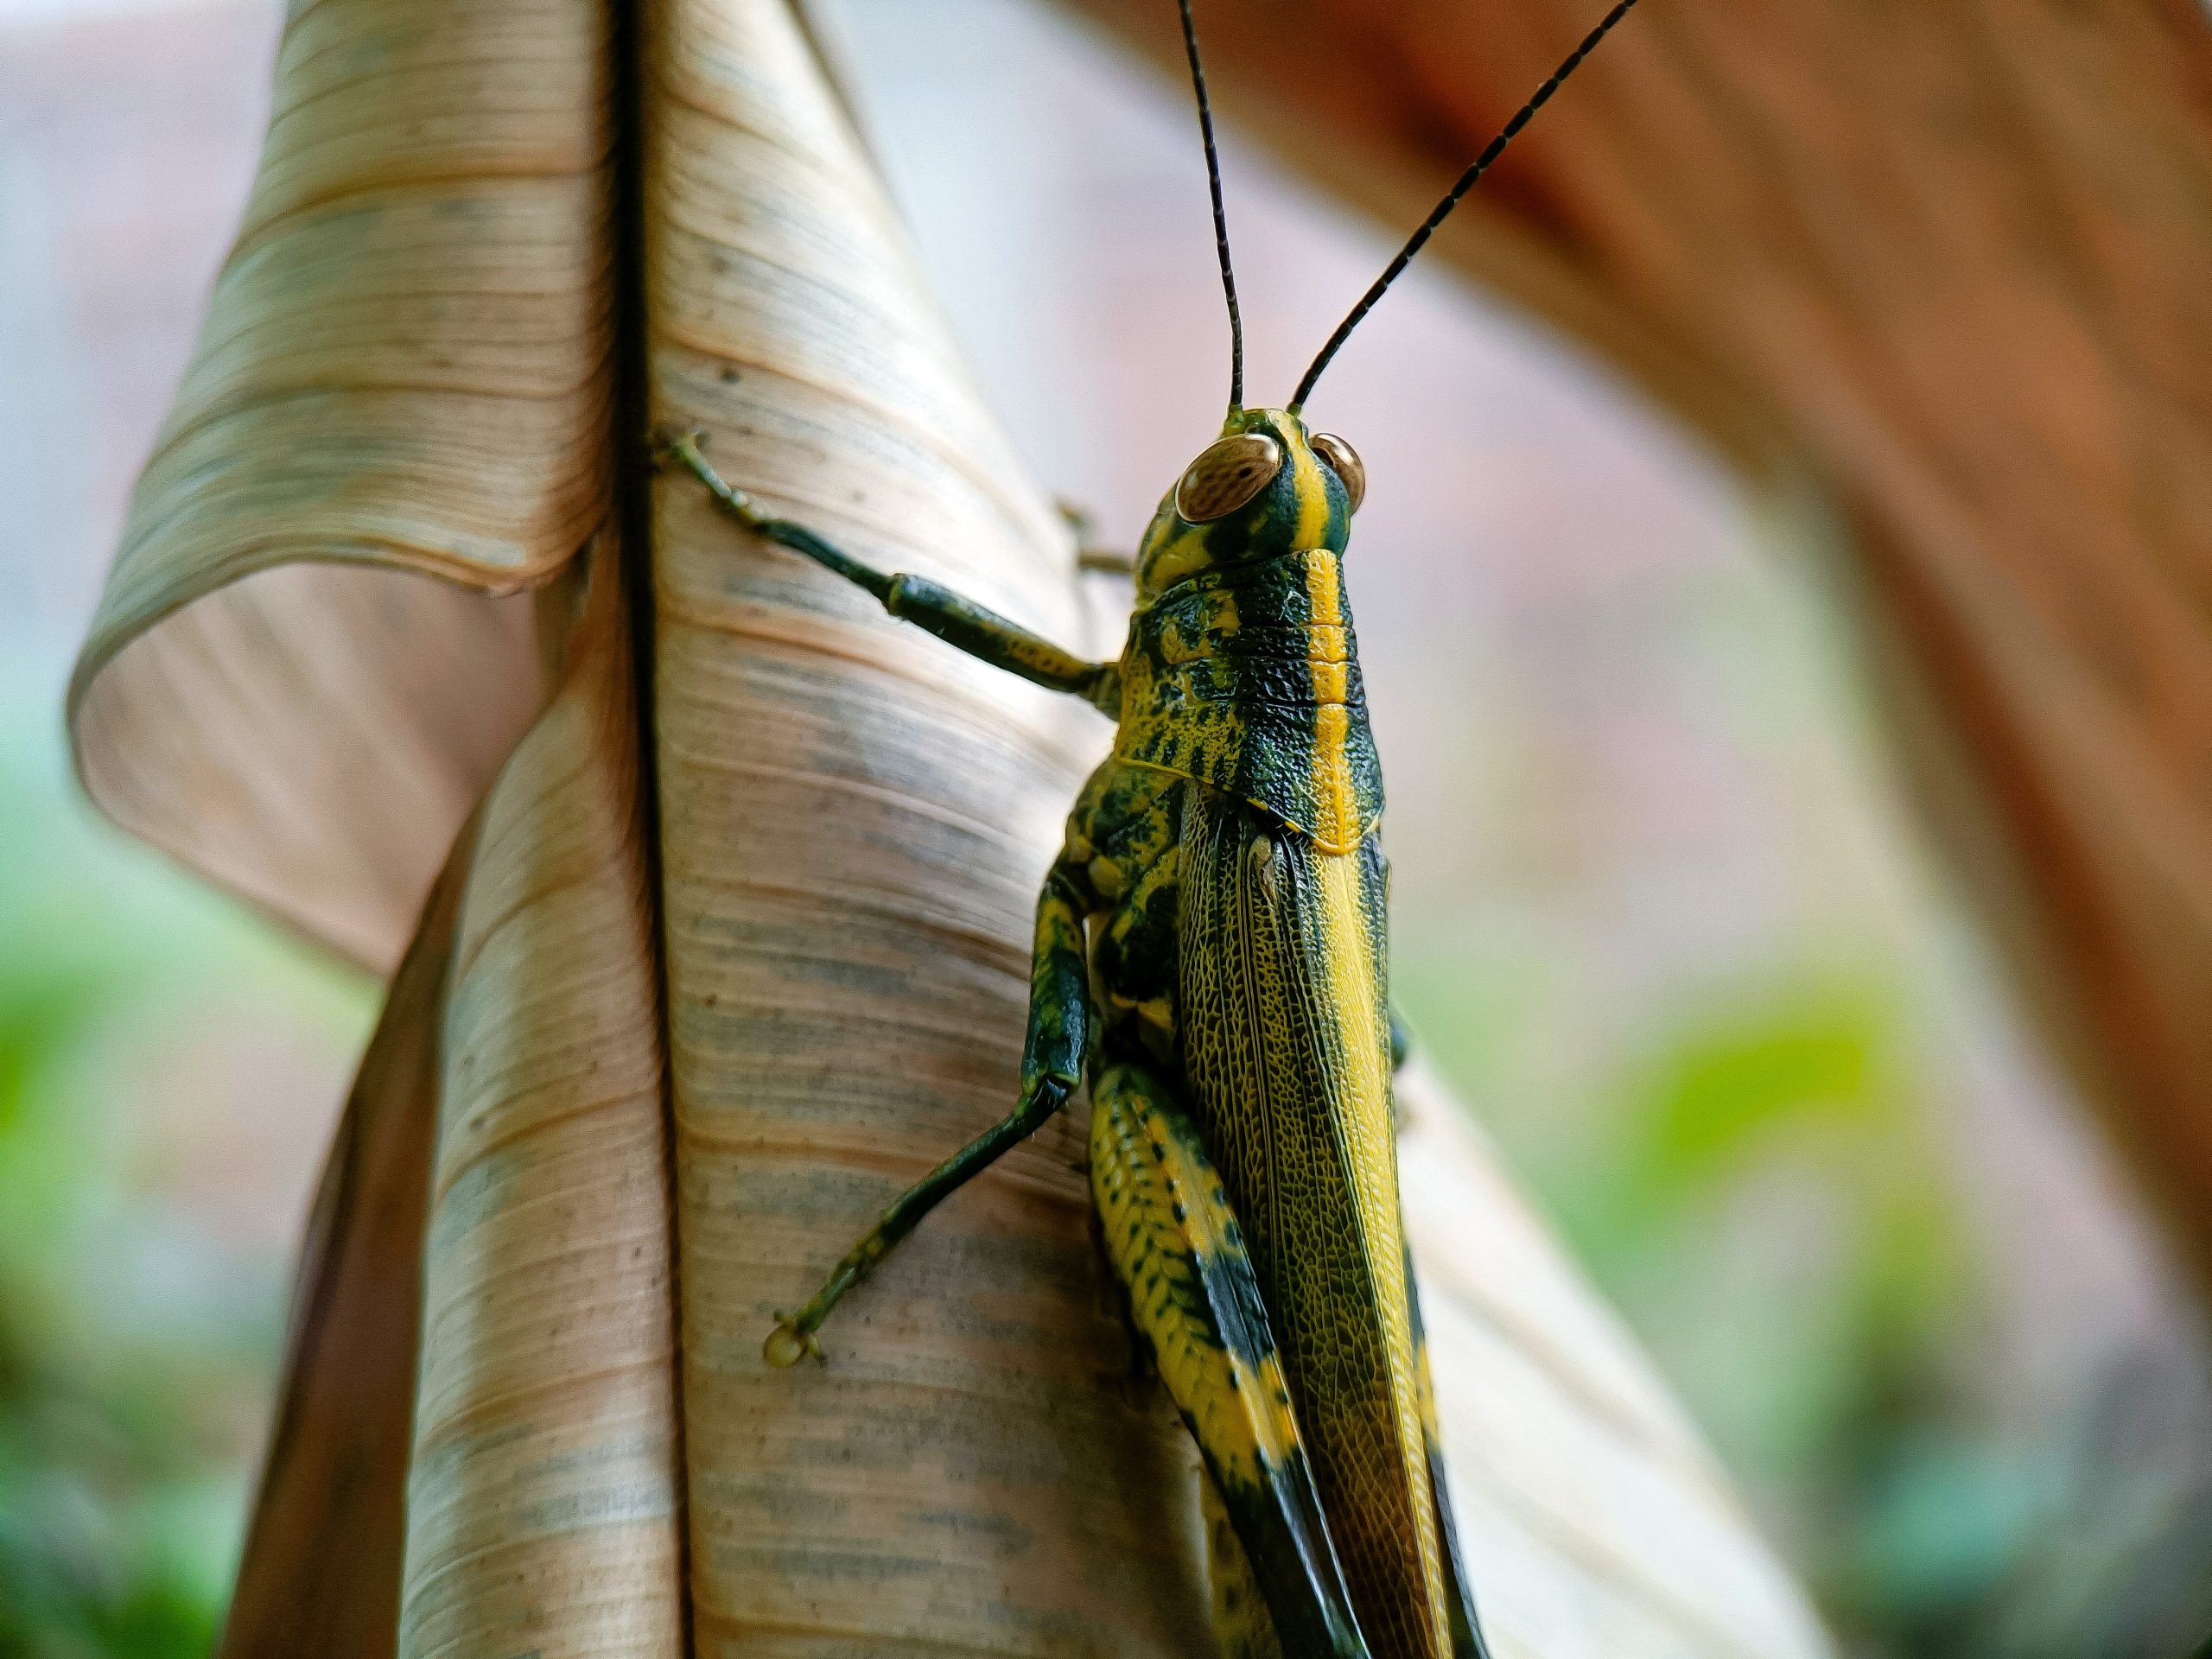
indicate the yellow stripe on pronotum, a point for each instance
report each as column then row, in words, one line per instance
column 1211, row 958
column 1337, row 816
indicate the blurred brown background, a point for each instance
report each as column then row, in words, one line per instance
column 1662, row 911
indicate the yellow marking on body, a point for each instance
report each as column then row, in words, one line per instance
column 1183, row 553
column 1336, row 828
column 1369, row 1134
column 1328, row 610
column 1312, row 494
column 1427, row 1392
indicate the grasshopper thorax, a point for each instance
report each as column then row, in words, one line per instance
column 1266, row 487
column 1241, row 671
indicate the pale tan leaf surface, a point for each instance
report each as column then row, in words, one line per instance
column 545, row 1497
column 403, row 367
column 321, row 1571
column 312, row 738
column 402, row 376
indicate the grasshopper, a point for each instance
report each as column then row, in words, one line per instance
column 1211, row 959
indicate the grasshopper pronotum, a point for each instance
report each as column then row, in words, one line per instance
column 1210, row 955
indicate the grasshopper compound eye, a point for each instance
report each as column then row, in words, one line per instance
column 1344, row 460
column 1227, row 476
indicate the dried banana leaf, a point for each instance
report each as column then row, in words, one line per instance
column 544, row 1498
column 403, row 368
column 322, row 1553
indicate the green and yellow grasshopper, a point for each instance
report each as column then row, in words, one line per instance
column 1210, row 957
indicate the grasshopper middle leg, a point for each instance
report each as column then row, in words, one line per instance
column 1123, row 822
column 1060, row 1026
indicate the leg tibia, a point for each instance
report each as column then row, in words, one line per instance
column 1051, row 1068
column 1242, row 1623
column 1177, row 1249
column 959, row 622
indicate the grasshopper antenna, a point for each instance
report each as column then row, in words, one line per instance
column 1220, row 214
column 1452, row 197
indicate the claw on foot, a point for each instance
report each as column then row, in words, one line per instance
column 670, row 442
column 787, row 1344
column 685, row 448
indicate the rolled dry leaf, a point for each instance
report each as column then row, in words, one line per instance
column 404, row 375
column 852, row 822
column 403, row 368
column 544, row 1494
column 321, row 1571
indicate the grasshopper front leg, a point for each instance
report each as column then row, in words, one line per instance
column 1060, row 1015
column 934, row 608
column 1060, row 1026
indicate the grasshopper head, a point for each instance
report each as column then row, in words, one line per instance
column 1265, row 487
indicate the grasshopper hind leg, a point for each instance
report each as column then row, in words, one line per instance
column 1177, row 1249
column 1242, row 1625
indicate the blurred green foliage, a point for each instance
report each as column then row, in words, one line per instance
column 141, row 1301
column 1754, row 1189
